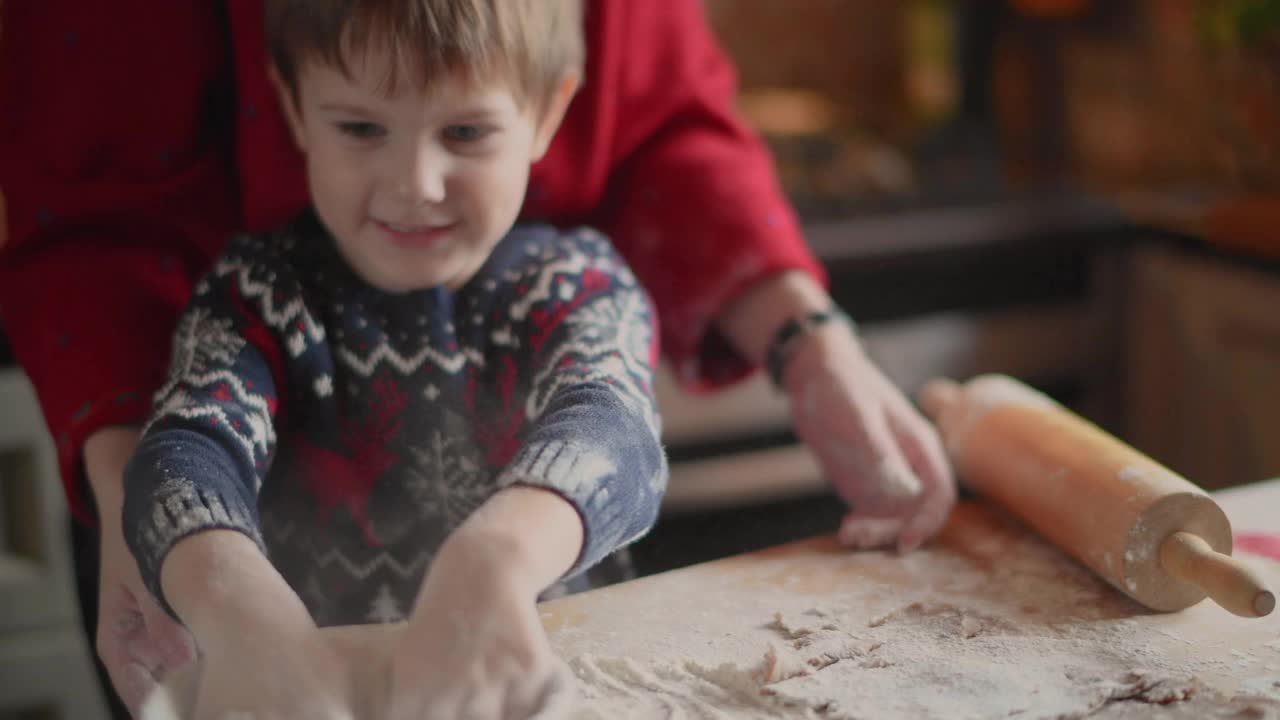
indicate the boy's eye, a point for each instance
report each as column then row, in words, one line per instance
column 361, row 130
column 466, row 133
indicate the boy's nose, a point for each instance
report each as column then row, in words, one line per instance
column 421, row 178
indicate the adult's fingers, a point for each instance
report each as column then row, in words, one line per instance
column 923, row 449
column 170, row 642
column 864, row 532
column 130, row 675
column 921, row 444
column 895, row 482
column 851, row 434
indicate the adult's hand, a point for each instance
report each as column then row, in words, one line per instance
column 881, row 455
column 139, row 643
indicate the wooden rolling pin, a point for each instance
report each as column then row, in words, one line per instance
column 1150, row 533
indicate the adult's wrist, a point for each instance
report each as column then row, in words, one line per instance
column 106, row 452
column 817, row 351
column 795, row 334
column 752, row 319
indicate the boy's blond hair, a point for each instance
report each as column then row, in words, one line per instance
column 529, row 43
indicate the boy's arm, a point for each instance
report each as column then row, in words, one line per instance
column 206, row 450
column 261, row 650
column 587, row 479
column 219, row 579
column 592, row 435
column 525, row 533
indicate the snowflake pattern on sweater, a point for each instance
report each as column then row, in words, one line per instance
column 348, row 431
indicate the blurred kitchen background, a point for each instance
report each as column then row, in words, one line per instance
column 1081, row 193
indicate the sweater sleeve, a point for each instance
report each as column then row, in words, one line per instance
column 693, row 201
column 211, row 437
column 592, row 432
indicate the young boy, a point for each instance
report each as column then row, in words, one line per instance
column 411, row 408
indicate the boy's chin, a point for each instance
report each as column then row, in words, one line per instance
column 398, row 286
column 402, row 280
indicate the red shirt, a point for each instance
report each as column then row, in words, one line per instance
column 136, row 135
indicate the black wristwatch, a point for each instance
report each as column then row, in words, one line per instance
column 783, row 344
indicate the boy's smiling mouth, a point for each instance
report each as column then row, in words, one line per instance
column 415, row 236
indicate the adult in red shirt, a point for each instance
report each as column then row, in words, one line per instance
column 136, row 136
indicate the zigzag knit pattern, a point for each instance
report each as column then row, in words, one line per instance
column 348, row 431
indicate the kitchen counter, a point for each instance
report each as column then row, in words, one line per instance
column 728, row 638
column 987, row 621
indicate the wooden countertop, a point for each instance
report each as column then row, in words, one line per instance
column 987, row 621
column 657, row 640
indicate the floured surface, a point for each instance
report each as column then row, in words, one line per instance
column 987, row 622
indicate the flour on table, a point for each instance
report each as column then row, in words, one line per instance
column 925, row 660
column 1005, row 629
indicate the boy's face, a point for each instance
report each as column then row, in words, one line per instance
column 416, row 188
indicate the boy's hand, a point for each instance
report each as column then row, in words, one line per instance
column 258, row 671
column 879, row 453
column 475, row 647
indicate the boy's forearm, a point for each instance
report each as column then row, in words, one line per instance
column 219, row 581
column 531, row 534
column 750, row 320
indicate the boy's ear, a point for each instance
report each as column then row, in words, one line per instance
column 289, row 104
column 553, row 112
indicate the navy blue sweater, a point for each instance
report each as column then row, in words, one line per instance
column 348, row 431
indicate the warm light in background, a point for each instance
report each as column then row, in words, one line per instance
column 1051, row 8
column 788, row 111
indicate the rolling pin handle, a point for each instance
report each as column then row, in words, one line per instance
column 1228, row 581
column 937, row 395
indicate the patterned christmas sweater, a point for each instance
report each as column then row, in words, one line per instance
column 348, row 431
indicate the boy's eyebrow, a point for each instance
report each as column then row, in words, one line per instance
column 471, row 114
column 344, row 108
column 477, row 113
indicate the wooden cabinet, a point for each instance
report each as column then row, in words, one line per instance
column 1203, row 365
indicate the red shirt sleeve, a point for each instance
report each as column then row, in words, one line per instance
column 688, row 193
column 114, row 167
